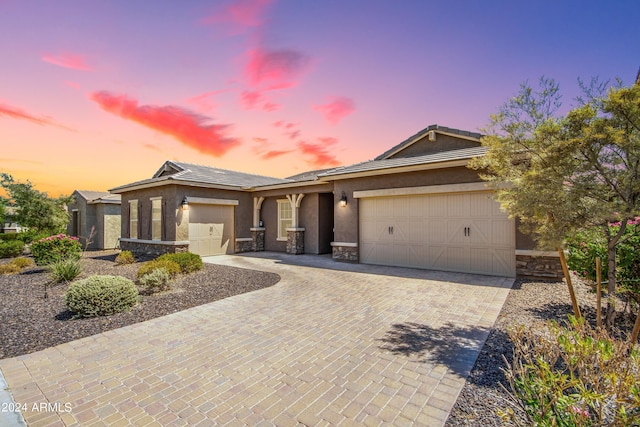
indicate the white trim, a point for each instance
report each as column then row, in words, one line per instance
column 294, row 229
column 430, row 189
column 209, row 201
column 534, row 253
column 281, row 239
column 156, row 242
column 345, row 244
column 155, row 198
column 244, row 239
column 133, row 200
column 257, row 229
column 156, row 220
column 281, row 202
column 287, row 185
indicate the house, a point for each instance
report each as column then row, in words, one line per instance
column 10, row 226
column 97, row 209
column 416, row 205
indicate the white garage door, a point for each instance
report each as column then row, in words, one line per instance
column 464, row 232
column 210, row 229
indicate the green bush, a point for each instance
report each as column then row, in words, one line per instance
column 101, row 296
column 573, row 376
column 11, row 248
column 55, row 248
column 30, row 236
column 585, row 245
column 173, row 269
column 156, row 281
column 187, row 261
column 125, row 257
column 8, row 236
column 23, row 262
column 65, row 270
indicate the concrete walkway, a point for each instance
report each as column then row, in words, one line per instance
column 343, row 345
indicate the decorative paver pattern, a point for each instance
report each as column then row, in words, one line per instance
column 339, row 346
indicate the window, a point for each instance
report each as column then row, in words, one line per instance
column 156, row 218
column 133, row 219
column 285, row 218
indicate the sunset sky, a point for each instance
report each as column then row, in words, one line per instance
column 95, row 94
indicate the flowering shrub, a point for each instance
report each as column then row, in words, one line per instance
column 588, row 244
column 572, row 375
column 55, row 248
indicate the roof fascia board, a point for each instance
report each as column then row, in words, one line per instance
column 287, row 185
column 398, row 169
column 126, row 188
column 426, row 135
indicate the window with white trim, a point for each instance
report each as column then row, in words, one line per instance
column 133, row 219
column 156, row 218
column 285, row 218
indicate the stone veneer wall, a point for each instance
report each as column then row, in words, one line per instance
column 345, row 253
column 145, row 248
column 244, row 246
column 540, row 267
column 257, row 234
column 295, row 241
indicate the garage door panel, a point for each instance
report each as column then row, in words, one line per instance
column 210, row 229
column 464, row 232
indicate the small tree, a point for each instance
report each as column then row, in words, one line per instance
column 35, row 209
column 561, row 173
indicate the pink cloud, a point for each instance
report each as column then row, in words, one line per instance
column 336, row 109
column 250, row 99
column 187, row 127
column 16, row 113
column 67, row 60
column 294, row 134
column 270, row 106
column 203, row 102
column 276, row 67
column 319, row 152
column 274, row 153
column 240, row 15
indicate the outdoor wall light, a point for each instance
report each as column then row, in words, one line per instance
column 343, row 200
column 185, row 204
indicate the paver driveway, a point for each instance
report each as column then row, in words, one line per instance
column 347, row 345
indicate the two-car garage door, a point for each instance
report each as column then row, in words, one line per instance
column 464, row 232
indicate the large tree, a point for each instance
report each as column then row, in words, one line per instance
column 32, row 208
column 560, row 173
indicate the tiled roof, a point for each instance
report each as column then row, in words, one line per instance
column 92, row 195
column 424, row 132
column 309, row 175
column 199, row 174
column 376, row 165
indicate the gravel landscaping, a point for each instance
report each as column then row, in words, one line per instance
column 29, row 322
column 528, row 303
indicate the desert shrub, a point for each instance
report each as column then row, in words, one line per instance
column 11, row 248
column 23, row 262
column 9, row 268
column 172, row 268
column 585, row 245
column 573, row 375
column 187, row 261
column 156, row 281
column 30, row 236
column 125, row 257
column 65, row 270
column 55, row 248
column 101, row 296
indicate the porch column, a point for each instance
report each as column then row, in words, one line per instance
column 295, row 234
column 257, row 232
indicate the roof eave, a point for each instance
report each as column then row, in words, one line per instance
column 287, row 185
column 398, row 169
column 172, row 181
column 421, row 136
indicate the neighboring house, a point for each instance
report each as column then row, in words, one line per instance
column 416, row 205
column 9, row 226
column 95, row 209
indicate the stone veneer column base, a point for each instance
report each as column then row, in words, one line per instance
column 257, row 236
column 295, row 241
column 342, row 251
column 151, row 247
column 538, row 265
column 244, row 244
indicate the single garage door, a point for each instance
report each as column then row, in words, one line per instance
column 465, row 232
column 210, row 229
